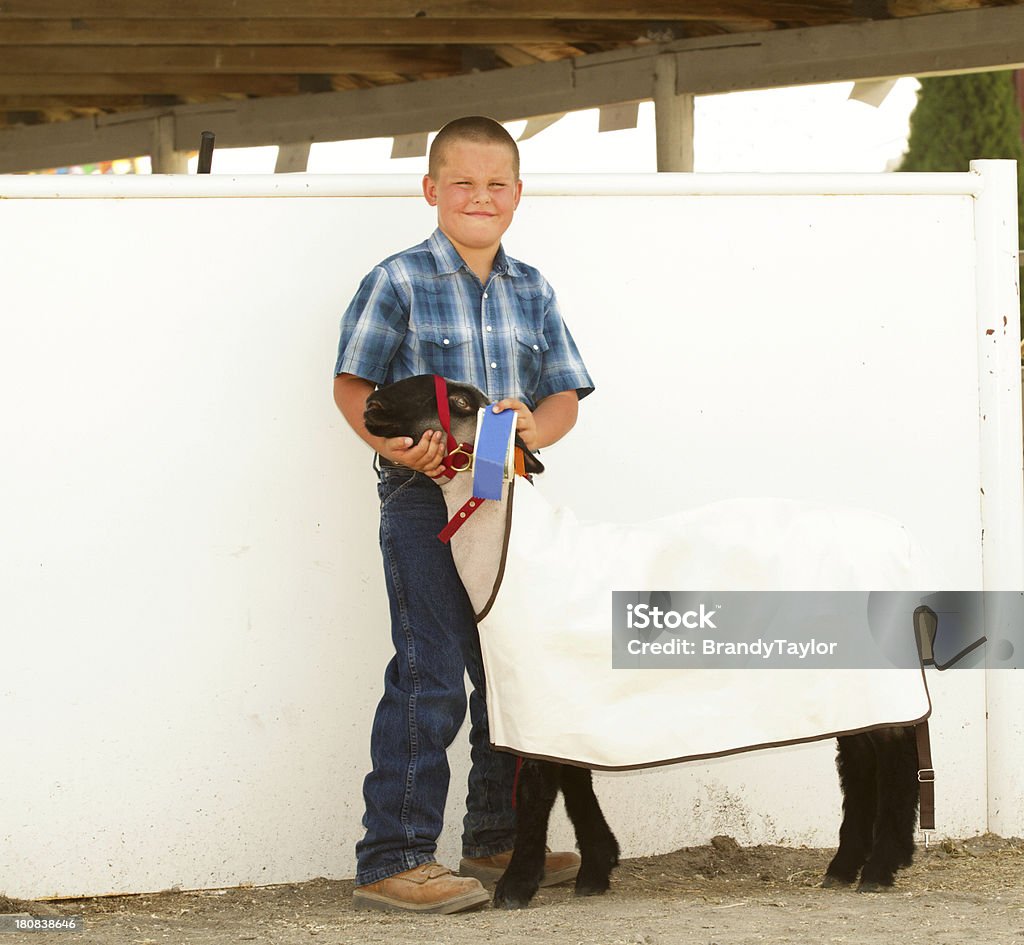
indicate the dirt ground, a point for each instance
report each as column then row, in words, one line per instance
column 721, row 894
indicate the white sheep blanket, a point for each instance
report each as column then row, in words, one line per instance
column 547, row 638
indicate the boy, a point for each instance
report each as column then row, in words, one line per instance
column 455, row 305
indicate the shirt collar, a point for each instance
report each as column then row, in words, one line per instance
column 448, row 260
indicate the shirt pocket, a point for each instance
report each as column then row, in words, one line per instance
column 446, row 351
column 530, row 347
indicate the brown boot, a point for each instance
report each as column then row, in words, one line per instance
column 558, row 867
column 430, row 888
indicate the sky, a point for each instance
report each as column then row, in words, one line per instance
column 803, row 129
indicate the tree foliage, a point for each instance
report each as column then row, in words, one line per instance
column 961, row 118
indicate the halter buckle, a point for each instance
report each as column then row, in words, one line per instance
column 462, row 450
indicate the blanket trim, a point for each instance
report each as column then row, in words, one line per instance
column 682, row 759
column 499, row 577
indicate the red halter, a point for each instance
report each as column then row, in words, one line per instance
column 452, row 449
column 464, row 450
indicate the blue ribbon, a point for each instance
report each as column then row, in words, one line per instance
column 491, row 452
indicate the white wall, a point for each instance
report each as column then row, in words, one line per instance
column 194, row 616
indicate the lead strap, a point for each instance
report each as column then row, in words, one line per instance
column 925, row 776
column 468, row 508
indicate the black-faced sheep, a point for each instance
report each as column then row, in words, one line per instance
column 878, row 769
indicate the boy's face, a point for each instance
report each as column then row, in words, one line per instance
column 475, row 193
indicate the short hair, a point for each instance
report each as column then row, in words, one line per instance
column 476, row 128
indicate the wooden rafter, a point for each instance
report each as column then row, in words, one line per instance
column 815, row 11
column 296, row 31
column 150, row 84
column 62, row 59
column 212, row 60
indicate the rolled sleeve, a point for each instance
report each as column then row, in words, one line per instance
column 563, row 365
column 372, row 328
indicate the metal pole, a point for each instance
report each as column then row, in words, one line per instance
column 205, row 153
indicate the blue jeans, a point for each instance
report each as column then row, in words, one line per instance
column 424, row 702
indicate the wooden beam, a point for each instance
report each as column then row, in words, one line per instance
column 149, row 84
column 227, row 59
column 90, row 102
column 550, row 52
column 969, row 41
column 292, row 158
column 673, row 119
column 165, row 157
column 515, row 56
column 505, row 94
column 329, row 31
column 804, row 11
column 975, row 40
column 83, row 141
column 927, row 7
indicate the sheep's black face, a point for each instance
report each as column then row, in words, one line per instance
column 409, row 408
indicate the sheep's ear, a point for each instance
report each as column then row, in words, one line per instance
column 530, row 462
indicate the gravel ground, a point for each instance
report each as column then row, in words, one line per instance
column 720, row 894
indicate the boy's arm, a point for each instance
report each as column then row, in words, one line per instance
column 350, row 394
column 553, row 417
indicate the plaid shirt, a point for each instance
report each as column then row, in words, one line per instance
column 423, row 311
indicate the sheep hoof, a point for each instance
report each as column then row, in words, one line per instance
column 592, row 885
column 836, row 882
column 876, row 878
column 506, row 898
column 510, row 903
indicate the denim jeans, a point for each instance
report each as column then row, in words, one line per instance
column 424, row 702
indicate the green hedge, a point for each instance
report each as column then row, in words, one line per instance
column 960, row 118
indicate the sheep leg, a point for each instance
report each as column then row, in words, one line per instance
column 898, row 791
column 535, row 796
column 599, row 850
column 855, row 762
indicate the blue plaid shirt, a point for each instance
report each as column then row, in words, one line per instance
column 424, row 311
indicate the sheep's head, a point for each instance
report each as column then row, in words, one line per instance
column 409, row 408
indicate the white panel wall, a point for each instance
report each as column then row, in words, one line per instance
column 193, row 612
column 827, row 351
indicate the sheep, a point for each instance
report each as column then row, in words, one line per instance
column 878, row 769
column 878, row 774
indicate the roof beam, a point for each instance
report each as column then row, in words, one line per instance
column 65, row 102
column 969, row 41
column 150, row 84
column 328, row 31
column 32, row 60
column 809, row 11
column 83, row 141
column 950, row 42
column 924, row 7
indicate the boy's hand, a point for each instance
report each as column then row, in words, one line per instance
column 548, row 422
column 526, row 425
column 425, row 456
